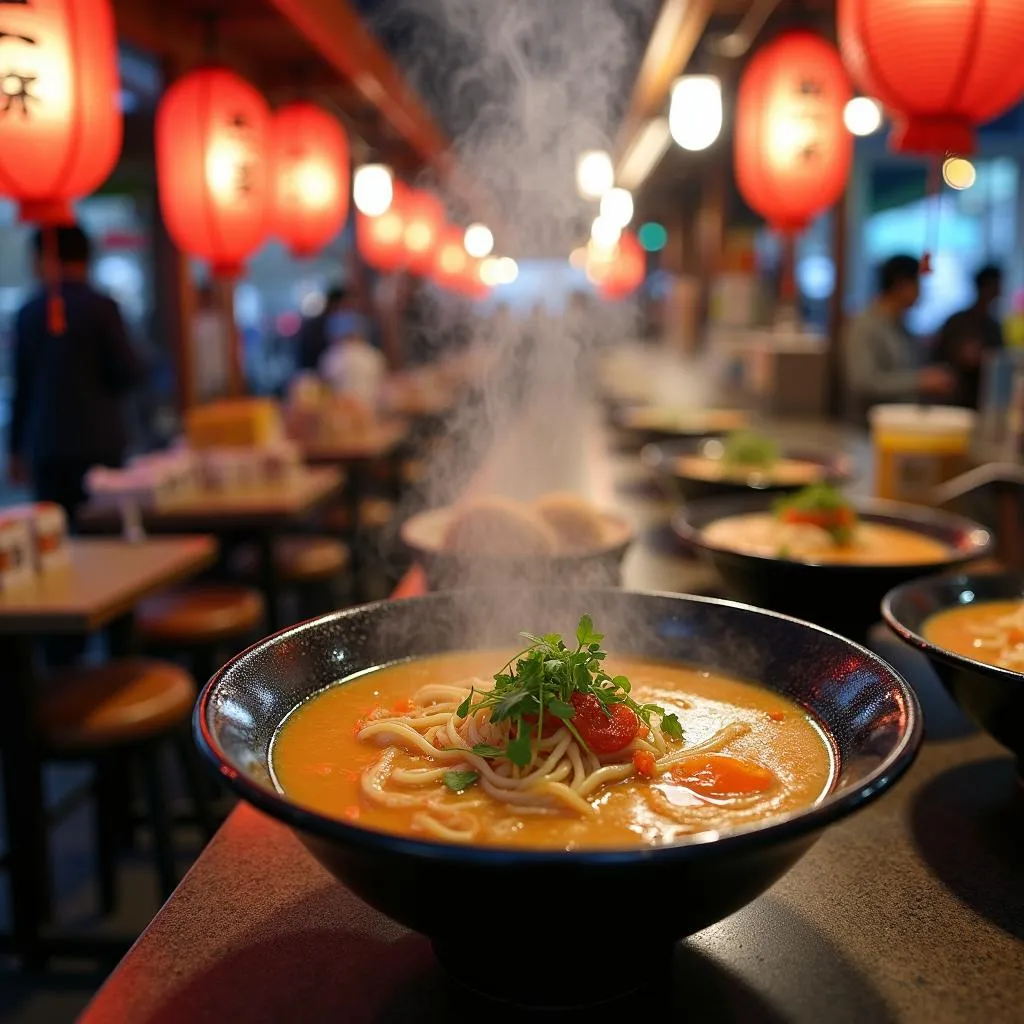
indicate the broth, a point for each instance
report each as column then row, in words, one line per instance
column 783, row 472
column 988, row 631
column 761, row 533
column 777, row 760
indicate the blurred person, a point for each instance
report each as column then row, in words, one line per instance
column 883, row 362
column 210, row 343
column 351, row 365
column 313, row 338
column 968, row 336
column 69, row 388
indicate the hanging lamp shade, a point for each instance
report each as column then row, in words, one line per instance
column 310, row 159
column 792, row 151
column 381, row 239
column 451, row 262
column 213, row 167
column 60, row 123
column 424, row 222
column 939, row 68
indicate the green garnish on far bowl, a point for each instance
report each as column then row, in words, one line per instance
column 745, row 449
column 820, row 505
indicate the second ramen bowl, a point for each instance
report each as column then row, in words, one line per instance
column 843, row 597
column 991, row 696
column 479, row 903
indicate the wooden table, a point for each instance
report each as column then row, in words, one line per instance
column 255, row 515
column 105, row 580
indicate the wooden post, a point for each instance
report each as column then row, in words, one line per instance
column 836, row 312
column 225, row 301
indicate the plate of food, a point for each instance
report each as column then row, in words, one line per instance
column 495, row 746
column 971, row 628
column 741, row 462
column 664, row 422
column 823, row 556
column 559, row 535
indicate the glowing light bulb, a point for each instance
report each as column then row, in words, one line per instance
column 862, row 115
column 958, row 173
column 605, row 233
column 373, row 189
column 594, row 173
column 617, row 206
column 695, row 111
column 479, row 241
column 490, row 271
column 508, row 269
column 578, row 258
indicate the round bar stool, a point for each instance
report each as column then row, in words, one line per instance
column 202, row 622
column 315, row 568
column 118, row 716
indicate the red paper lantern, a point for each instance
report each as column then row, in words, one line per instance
column 451, row 261
column 792, row 150
column 60, row 124
column 213, row 171
column 940, row 69
column 623, row 272
column 424, row 222
column 381, row 239
column 311, row 177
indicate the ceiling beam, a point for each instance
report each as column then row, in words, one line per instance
column 678, row 29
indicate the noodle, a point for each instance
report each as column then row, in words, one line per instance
column 1004, row 637
column 561, row 777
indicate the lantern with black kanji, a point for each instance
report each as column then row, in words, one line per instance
column 792, row 151
column 213, row 167
column 60, row 122
column 939, row 69
column 381, row 239
column 424, row 221
column 310, row 161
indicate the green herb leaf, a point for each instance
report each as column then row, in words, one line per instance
column 486, row 750
column 463, row 709
column 622, row 683
column 560, row 709
column 520, row 749
column 459, row 782
column 670, row 727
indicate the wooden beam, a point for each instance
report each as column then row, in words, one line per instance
column 678, row 29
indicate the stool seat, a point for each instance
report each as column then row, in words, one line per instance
column 308, row 559
column 200, row 615
column 374, row 514
column 121, row 702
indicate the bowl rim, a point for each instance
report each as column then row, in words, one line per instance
column 980, row 537
column 625, row 420
column 660, row 456
column 932, row 650
column 626, row 534
column 790, row 826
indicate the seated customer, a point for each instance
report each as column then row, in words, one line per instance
column 968, row 336
column 351, row 365
column 882, row 358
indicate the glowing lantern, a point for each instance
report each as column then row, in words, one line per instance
column 451, row 262
column 60, row 126
column 940, row 69
column 381, row 239
column 793, row 152
column 213, row 173
column 424, row 222
column 621, row 273
column 311, row 177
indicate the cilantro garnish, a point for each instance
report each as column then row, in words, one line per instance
column 820, row 505
column 537, row 686
column 745, row 448
column 458, row 782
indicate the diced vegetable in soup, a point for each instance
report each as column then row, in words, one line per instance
column 988, row 631
column 553, row 748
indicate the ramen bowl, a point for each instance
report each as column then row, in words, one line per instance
column 650, row 423
column 423, row 533
column 844, row 597
column 448, row 891
column 668, row 461
column 991, row 696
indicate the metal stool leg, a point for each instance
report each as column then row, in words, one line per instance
column 196, row 784
column 159, row 819
column 108, row 818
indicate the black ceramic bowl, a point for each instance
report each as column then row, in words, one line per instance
column 651, row 423
column 600, row 566
column 992, row 697
column 664, row 460
column 468, row 898
column 845, row 598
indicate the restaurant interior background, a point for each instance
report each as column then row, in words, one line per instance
column 556, row 360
